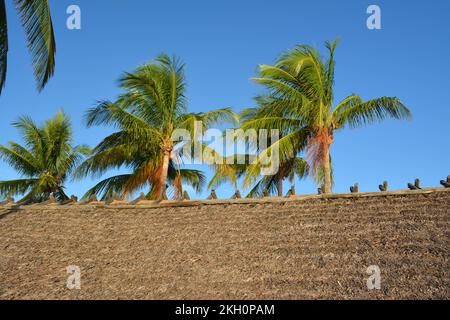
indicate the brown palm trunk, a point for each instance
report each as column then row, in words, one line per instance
column 163, row 181
column 280, row 187
column 327, row 169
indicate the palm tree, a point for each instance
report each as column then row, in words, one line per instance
column 294, row 167
column 37, row 22
column 299, row 103
column 232, row 171
column 147, row 114
column 47, row 160
column 228, row 170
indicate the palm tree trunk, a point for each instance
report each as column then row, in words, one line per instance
column 327, row 169
column 280, row 187
column 163, row 181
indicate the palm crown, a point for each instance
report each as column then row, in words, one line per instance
column 47, row 160
column 299, row 102
column 153, row 106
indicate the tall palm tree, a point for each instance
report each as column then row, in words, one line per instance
column 300, row 101
column 153, row 106
column 37, row 22
column 47, row 159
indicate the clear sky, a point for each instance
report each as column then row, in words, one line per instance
column 222, row 42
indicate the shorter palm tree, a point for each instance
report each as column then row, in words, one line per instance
column 290, row 169
column 46, row 161
column 232, row 171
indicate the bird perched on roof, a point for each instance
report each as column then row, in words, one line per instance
column 354, row 188
column 236, row 195
column 415, row 186
column 291, row 192
column 186, row 195
column 446, row 184
column 321, row 190
column 213, row 195
column 383, row 187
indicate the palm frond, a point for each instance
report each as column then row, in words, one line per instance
column 230, row 170
column 37, row 22
column 193, row 178
column 371, row 111
column 16, row 187
column 107, row 187
column 21, row 162
column 3, row 44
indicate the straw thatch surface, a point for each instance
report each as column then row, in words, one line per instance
column 302, row 247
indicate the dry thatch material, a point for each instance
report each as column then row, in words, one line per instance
column 301, row 247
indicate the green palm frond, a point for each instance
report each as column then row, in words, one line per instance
column 37, row 22
column 300, row 168
column 18, row 160
column 230, row 170
column 371, row 111
column 17, row 187
column 208, row 119
column 284, row 125
column 267, row 184
column 329, row 71
column 107, row 187
column 69, row 161
column 3, row 44
column 32, row 135
column 194, row 178
column 108, row 113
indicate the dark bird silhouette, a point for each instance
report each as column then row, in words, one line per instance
column 321, row 190
column 236, row 195
column 412, row 187
column 354, row 188
column 445, row 184
column 291, row 192
column 415, row 186
column 186, row 196
column 383, row 187
column 213, row 195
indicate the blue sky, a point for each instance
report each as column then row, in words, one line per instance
column 222, row 42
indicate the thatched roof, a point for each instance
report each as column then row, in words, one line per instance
column 302, row 247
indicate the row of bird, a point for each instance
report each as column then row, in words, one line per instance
column 237, row 195
column 411, row 186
